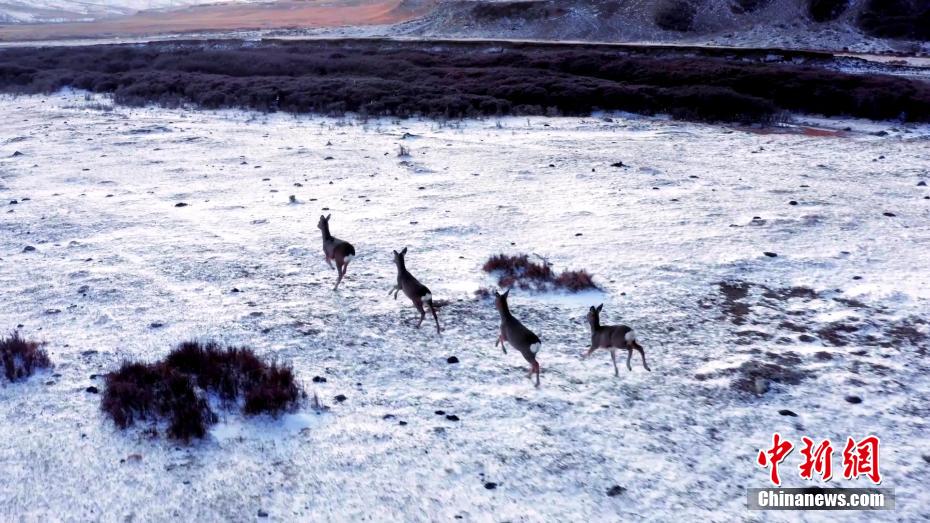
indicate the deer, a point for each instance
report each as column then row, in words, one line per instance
column 612, row 338
column 413, row 289
column 515, row 333
column 336, row 250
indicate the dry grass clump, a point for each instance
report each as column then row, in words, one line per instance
column 524, row 273
column 20, row 358
column 179, row 388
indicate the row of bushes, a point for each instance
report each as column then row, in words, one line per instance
column 424, row 79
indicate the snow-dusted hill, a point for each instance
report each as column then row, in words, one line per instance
column 51, row 11
column 676, row 240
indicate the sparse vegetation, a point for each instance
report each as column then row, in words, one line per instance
column 676, row 15
column 402, row 152
column 20, row 358
column 180, row 388
column 524, row 273
column 896, row 18
column 826, row 10
column 748, row 6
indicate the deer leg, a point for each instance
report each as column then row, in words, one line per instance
column 394, row 290
column 328, row 262
column 419, row 305
column 435, row 317
column 536, row 368
column 589, row 352
column 643, row 355
column 628, row 358
column 340, row 269
column 613, row 356
column 501, row 339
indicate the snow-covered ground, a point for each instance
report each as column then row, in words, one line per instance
column 676, row 240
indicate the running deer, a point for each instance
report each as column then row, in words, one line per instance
column 413, row 289
column 517, row 334
column 336, row 250
column 612, row 337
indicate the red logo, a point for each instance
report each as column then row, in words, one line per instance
column 818, row 460
column 859, row 459
column 775, row 455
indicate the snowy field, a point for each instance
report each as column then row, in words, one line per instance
column 676, row 239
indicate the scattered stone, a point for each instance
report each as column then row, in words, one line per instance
column 490, row 485
column 401, row 423
column 823, row 355
column 262, row 513
column 618, row 164
column 52, row 311
column 770, row 254
column 235, row 289
column 92, row 390
column 857, row 277
column 16, row 153
column 786, row 412
column 855, row 400
column 319, row 379
column 452, row 359
column 180, row 204
column 452, row 417
column 615, row 491
column 340, row 398
column 807, row 338
column 13, row 202
column 328, row 158
column 761, row 386
column 889, row 214
column 29, row 248
column 921, row 183
column 156, row 325
column 440, row 413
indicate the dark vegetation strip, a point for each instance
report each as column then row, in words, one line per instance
column 451, row 80
column 20, row 358
column 520, row 271
column 179, row 388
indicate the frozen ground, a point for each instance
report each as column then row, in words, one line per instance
column 672, row 240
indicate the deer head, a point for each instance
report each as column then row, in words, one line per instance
column 594, row 316
column 399, row 257
column 323, row 224
column 500, row 300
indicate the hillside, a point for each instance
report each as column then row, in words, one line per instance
column 865, row 25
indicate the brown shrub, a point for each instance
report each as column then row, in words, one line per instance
column 20, row 358
column 178, row 388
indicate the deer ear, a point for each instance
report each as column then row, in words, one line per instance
column 403, row 252
column 328, row 216
column 599, row 307
column 506, row 293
